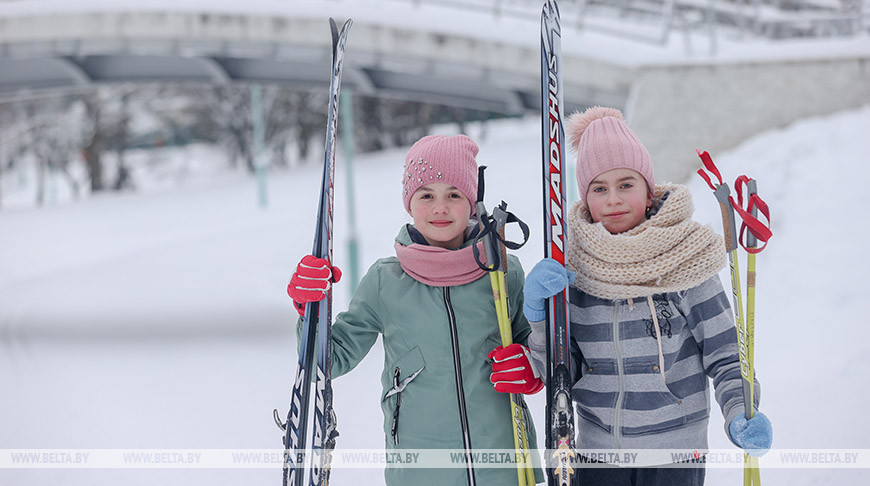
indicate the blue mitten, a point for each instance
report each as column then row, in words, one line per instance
column 754, row 435
column 546, row 279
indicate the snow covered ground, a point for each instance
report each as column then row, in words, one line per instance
column 159, row 319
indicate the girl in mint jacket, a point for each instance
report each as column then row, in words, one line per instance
column 433, row 306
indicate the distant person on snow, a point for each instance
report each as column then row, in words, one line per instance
column 647, row 311
column 434, row 307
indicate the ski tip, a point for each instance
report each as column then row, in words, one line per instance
column 333, row 25
column 338, row 37
column 551, row 8
column 334, row 28
column 550, row 20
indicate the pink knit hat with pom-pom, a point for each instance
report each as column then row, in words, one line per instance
column 604, row 142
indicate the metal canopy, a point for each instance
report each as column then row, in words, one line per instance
column 90, row 48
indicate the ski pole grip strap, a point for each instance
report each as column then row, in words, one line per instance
column 523, row 227
column 486, row 231
column 710, row 166
column 722, row 194
column 758, row 231
column 492, row 234
column 502, row 217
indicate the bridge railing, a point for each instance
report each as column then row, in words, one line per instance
column 653, row 21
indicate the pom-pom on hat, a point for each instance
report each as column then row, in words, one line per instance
column 604, row 142
column 441, row 158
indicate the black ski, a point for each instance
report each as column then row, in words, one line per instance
column 325, row 431
column 318, row 316
column 559, row 406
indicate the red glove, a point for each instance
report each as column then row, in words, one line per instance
column 513, row 371
column 311, row 281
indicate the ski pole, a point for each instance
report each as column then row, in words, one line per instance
column 745, row 328
column 500, row 216
column 751, row 474
column 723, row 195
column 496, row 265
column 756, row 231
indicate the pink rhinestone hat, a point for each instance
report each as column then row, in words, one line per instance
column 441, row 158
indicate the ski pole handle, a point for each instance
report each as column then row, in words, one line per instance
column 723, row 195
column 500, row 218
column 483, row 221
column 756, row 231
column 729, row 227
column 752, row 190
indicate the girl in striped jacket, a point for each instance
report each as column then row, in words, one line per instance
column 648, row 314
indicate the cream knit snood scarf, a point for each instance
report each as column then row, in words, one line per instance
column 666, row 253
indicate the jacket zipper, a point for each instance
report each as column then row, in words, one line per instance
column 460, row 393
column 619, row 371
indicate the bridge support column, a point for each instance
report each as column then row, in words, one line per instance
column 259, row 135
column 349, row 145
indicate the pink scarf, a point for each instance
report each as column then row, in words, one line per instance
column 439, row 267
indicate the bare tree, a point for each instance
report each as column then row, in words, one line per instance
column 229, row 108
column 5, row 157
column 94, row 139
column 123, row 179
column 43, row 130
column 292, row 118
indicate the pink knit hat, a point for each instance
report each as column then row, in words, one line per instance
column 604, row 142
column 441, row 158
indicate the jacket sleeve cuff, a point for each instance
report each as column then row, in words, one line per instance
column 532, row 314
column 734, row 413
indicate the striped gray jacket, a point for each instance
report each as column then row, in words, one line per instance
column 625, row 398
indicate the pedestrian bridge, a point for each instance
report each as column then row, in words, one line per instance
column 477, row 61
column 677, row 100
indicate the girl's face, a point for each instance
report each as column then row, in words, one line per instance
column 440, row 213
column 619, row 199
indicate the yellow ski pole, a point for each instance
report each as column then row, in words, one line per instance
column 751, row 474
column 496, row 252
column 506, row 332
column 729, row 228
column 757, row 231
column 744, row 333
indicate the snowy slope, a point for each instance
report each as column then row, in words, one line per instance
column 159, row 320
column 810, row 353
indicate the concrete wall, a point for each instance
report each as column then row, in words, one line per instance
column 675, row 110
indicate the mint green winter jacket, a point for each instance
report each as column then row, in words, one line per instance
column 415, row 321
